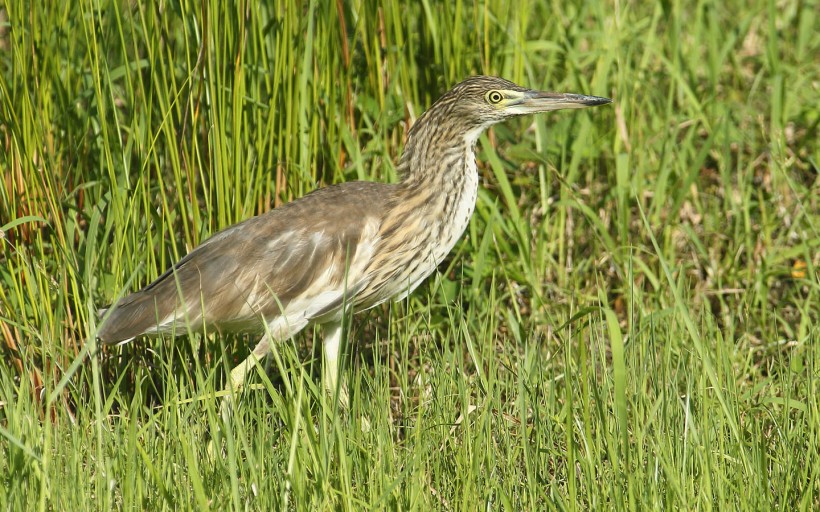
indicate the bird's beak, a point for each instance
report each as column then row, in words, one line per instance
column 532, row 102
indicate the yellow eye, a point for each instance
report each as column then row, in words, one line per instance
column 494, row 97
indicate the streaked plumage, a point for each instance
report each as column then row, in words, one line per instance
column 352, row 245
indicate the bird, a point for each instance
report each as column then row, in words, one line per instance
column 343, row 248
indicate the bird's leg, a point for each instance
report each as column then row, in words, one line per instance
column 330, row 367
column 237, row 381
column 241, row 370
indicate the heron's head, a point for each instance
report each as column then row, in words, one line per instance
column 481, row 101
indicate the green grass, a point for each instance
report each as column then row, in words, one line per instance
column 630, row 322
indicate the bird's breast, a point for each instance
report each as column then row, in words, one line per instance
column 457, row 210
column 448, row 214
column 422, row 228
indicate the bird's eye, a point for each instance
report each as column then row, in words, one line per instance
column 494, row 97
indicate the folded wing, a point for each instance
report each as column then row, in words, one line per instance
column 299, row 262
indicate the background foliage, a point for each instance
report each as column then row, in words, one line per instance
column 630, row 321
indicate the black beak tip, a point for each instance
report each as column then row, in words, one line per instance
column 593, row 101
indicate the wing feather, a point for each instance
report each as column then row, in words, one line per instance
column 301, row 260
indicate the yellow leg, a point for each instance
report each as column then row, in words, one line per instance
column 240, row 372
column 332, row 383
column 280, row 328
column 330, row 367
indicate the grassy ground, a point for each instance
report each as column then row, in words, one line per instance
column 630, row 322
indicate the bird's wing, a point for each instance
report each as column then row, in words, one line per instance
column 300, row 261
